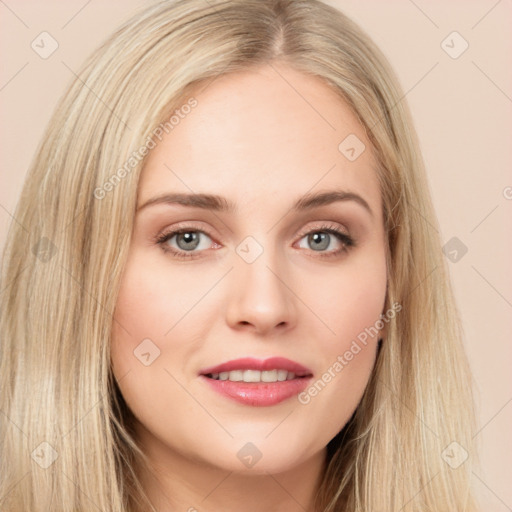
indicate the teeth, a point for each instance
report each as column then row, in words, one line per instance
column 254, row 376
column 281, row 375
column 251, row 376
column 269, row 376
column 236, row 375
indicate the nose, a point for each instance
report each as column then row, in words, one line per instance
column 260, row 297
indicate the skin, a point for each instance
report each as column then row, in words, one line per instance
column 261, row 144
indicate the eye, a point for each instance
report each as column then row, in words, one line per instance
column 326, row 236
column 184, row 243
column 190, row 242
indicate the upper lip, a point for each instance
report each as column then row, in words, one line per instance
column 250, row 363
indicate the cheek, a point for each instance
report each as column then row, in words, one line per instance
column 149, row 304
column 349, row 300
column 153, row 297
column 151, row 301
column 351, row 304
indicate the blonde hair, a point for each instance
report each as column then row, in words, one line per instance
column 66, row 251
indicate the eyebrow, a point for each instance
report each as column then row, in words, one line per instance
column 221, row 204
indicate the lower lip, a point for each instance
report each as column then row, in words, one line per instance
column 258, row 394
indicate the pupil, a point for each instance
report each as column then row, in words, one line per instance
column 190, row 239
column 320, row 237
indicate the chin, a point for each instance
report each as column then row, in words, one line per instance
column 261, row 457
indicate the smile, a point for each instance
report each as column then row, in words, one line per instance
column 254, row 376
column 257, row 382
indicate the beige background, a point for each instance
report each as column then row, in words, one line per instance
column 462, row 110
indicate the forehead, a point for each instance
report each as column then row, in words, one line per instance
column 265, row 135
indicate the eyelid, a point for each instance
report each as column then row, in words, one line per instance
column 305, row 231
column 324, row 225
column 190, row 226
column 168, row 233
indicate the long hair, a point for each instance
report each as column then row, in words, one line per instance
column 66, row 437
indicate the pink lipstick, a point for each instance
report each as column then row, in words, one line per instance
column 257, row 382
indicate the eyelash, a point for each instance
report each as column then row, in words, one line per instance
column 347, row 241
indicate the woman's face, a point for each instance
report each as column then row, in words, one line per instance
column 268, row 166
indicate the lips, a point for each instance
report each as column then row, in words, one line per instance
column 257, row 382
column 249, row 363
